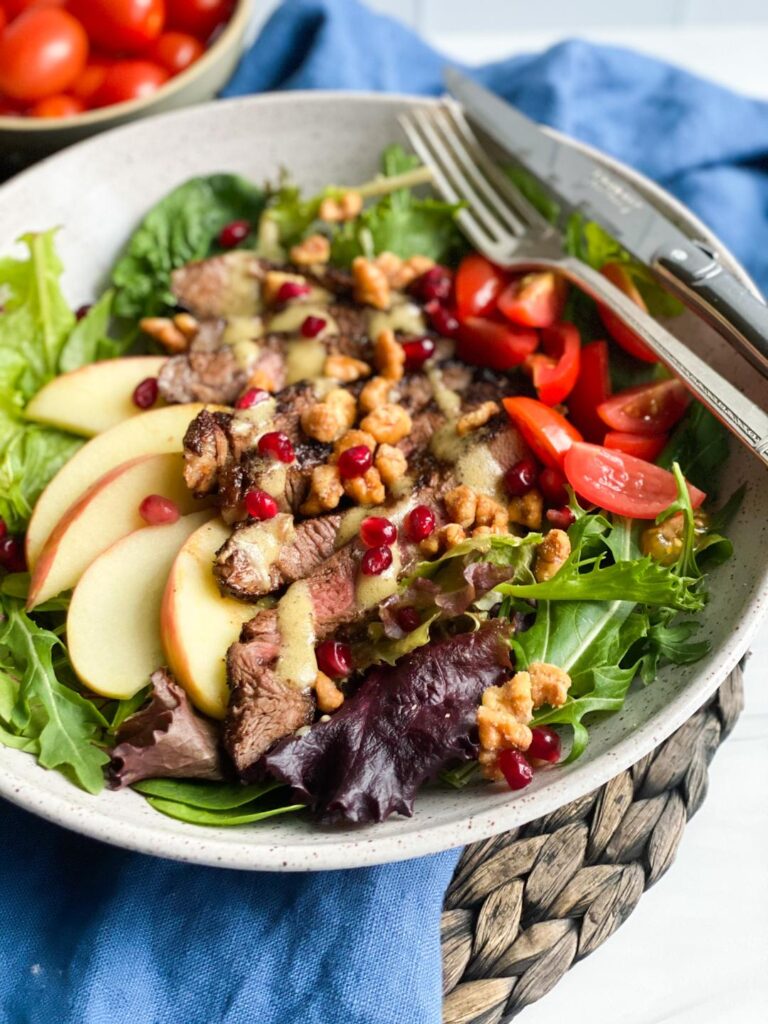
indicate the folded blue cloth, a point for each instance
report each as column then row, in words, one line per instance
column 96, row 935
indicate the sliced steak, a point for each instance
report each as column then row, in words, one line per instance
column 208, row 372
column 220, row 286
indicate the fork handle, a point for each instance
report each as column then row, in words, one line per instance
column 738, row 412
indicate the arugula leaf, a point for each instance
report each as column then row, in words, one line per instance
column 671, row 641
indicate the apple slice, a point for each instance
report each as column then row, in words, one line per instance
column 95, row 397
column 152, row 433
column 113, row 623
column 197, row 624
column 106, row 512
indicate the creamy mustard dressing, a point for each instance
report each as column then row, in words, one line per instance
column 296, row 664
column 372, row 590
column 304, row 360
column 290, row 319
column 243, row 330
column 404, row 316
column 475, row 465
column 260, row 543
column 243, row 293
column 448, row 401
column 272, row 480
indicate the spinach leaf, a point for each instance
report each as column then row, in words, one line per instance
column 210, row 796
column 700, row 445
column 89, row 340
column 200, row 816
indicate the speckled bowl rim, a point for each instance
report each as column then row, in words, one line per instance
column 198, row 845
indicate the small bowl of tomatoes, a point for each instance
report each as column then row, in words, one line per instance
column 71, row 68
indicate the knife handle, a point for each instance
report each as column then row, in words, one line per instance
column 697, row 277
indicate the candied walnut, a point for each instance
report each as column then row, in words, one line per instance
column 164, row 330
column 551, row 554
column 527, row 510
column 344, row 404
column 345, row 368
column 371, row 284
column 450, row 535
column 325, row 491
column 187, row 324
column 461, row 505
column 430, row 545
column 374, row 393
column 323, row 422
column 329, row 696
column 273, row 282
column 549, row 684
column 312, row 251
column 484, row 531
column 346, row 207
column 351, row 439
column 391, row 464
column 409, row 270
column 476, row 418
column 491, row 513
column 263, row 380
column 389, row 355
column 367, row 489
column 389, row 423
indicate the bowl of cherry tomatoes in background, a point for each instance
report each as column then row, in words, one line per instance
column 71, row 68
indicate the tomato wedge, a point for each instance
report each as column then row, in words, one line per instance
column 647, row 447
column 647, row 409
column 546, row 432
column 555, row 372
column 494, row 343
column 621, row 483
column 534, row 300
column 592, row 387
column 617, row 274
column 478, row 283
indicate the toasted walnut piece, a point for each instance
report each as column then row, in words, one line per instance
column 329, row 696
column 549, row 684
column 346, row 207
column 163, row 329
column 550, row 554
column 344, row 404
column 490, row 512
column 389, row 355
column 484, row 531
column 391, row 464
column 450, row 535
column 325, row 491
column 367, row 489
column 374, row 393
column 461, row 505
column 312, row 251
column 345, row 368
column 263, row 380
column 409, row 270
column 476, row 418
column 273, row 282
column 430, row 545
column 323, row 422
column 371, row 284
column 351, row 439
column 389, row 423
column 527, row 511
column 187, row 324
column 329, row 210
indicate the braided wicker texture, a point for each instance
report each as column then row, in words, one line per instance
column 525, row 906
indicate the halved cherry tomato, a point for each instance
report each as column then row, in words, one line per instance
column 647, row 409
column 618, row 274
column 59, row 105
column 593, row 386
column 175, row 51
column 621, row 483
column 478, row 283
column 555, row 371
column 41, row 52
column 494, row 343
column 547, row 432
column 648, row 447
column 534, row 300
column 130, row 80
column 121, row 26
column 200, row 17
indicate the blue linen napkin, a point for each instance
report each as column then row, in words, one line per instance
column 97, row 935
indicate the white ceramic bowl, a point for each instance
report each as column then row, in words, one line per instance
column 97, row 191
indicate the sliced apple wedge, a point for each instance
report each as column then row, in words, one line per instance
column 95, row 397
column 197, row 624
column 106, row 512
column 113, row 623
column 152, row 433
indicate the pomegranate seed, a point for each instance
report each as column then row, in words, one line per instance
column 562, row 518
column 276, row 445
column 408, row 618
column 12, row 555
column 355, row 461
column 82, row 311
column 442, row 319
column 376, row 531
column 260, row 505
column 419, row 523
column 158, row 511
column 375, row 561
column 417, row 352
column 516, row 769
column 311, row 326
column 251, row 397
column 291, row 290
column 545, row 745
column 334, row 658
column 3, row 528
column 433, row 285
column 145, row 393
column 552, row 487
column 520, row 478
column 234, row 233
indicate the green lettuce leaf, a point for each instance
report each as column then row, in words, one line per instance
column 380, row 649
column 499, row 549
column 700, row 444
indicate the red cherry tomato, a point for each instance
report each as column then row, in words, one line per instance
column 3, row 19
column 617, row 274
column 555, row 371
column 621, row 483
column 494, row 343
column 592, row 387
column 15, row 7
column 546, row 431
column 59, row 105
column 130, row 80
column 41, row 52
column 200, row 17
column 121, row 26
column 91, row 78
column 175, row 51
column 534, row 300
column 478, row 283
column 647, row 409
column 648, row 447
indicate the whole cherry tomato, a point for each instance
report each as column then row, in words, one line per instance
column 3, row 19
column 121, row 26
column 175, row 51
column 41, row 53
column 87, row 84
column 130, row 80
column 200, row 17
column 59, row 105
column 15, row 7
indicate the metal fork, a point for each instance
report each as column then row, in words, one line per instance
column 502, row 225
